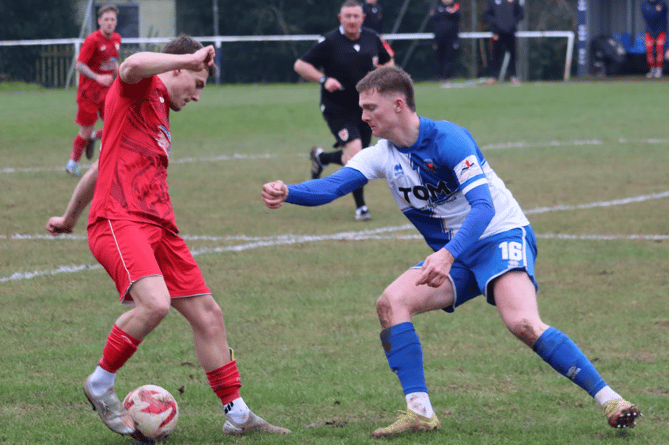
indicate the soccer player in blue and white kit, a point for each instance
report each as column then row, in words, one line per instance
column 483, row 243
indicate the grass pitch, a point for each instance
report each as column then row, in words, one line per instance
column 587, row 161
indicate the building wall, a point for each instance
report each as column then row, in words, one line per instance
column 613, row 16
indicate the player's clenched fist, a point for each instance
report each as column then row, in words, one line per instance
column 204, row 57
column 274, row 194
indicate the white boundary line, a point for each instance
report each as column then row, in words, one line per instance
column 382, row 233
column 365, row 233
column 238, row 156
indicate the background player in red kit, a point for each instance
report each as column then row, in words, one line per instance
column 97, row 65
column 133, row 234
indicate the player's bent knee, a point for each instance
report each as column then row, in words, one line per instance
column 384, row 309
column 214, row 314
column 523, row 330
column 209, row 318
column 155, row 310
column 389, row 304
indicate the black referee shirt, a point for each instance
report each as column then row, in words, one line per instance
column 348, row 61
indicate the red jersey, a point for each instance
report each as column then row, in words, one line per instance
column 132, row 177
column 100, row 54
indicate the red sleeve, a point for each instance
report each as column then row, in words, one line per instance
column 87, row 50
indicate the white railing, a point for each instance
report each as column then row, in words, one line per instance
column 220, row 40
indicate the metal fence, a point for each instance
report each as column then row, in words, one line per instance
column 51, row 62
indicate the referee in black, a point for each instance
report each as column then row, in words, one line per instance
column 345, row 55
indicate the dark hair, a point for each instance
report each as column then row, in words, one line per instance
column 107, row 8
column 350, row 3
column 389, row 79
column 186, row 45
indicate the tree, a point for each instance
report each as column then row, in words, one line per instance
column 32, row 19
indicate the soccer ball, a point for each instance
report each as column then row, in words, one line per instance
column 154, row 411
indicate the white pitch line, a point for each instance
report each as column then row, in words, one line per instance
column 615, row 202
column 603, row 237
column 294, row 239
column 535, row 211
column 234, row 156
column 257, row 242
column 241, row 156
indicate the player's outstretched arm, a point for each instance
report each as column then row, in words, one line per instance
column 146, row 64
column 81, row 197
column 274, row 194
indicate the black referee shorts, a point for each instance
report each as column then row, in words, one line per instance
column 346, row 125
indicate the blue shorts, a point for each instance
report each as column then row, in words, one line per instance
column 489, row 258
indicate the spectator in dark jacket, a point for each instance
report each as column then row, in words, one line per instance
column 445, row 16
column 373, row 15
column 504, row 16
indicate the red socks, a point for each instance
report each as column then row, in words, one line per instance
column 225, row 382
column 119, row 348
column 78, row 148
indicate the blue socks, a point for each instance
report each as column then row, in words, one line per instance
column 405, row 356
column 559, row 351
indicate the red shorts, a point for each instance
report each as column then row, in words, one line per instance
column 87, row 112
column 130, row 251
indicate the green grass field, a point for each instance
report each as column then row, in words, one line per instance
column 587, row 161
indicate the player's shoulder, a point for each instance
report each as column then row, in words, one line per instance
column 453, row 135
column 333, row 34
column 92, row 37
column 441, row 127
column 368, row 33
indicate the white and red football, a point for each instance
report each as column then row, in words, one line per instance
column 154, row 411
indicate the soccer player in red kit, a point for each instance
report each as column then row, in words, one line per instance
column 133, row 234
column 97, row 65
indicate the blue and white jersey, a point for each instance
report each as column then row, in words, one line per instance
column 429, row 181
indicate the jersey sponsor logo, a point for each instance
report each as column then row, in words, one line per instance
column 164, row 139
column 468, row 169
column 398, row 170
column 429, row 192
column 343, row 134
column 429, row 164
